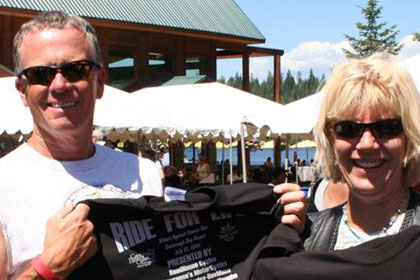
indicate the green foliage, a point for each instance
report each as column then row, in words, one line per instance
column 291, row 89
column 416, row 36
column 374, row 36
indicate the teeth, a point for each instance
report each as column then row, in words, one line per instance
column 368, row 164
column 64, row 105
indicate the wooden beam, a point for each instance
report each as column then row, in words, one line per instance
column 252, row 52
column 264, row 51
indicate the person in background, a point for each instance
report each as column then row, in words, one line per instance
column 171, row 178
column 368, row 137
column 268, row 163
column 203, row 169
column 59, row 77
column 279, row 176
column 149, row 154
column 235, row 176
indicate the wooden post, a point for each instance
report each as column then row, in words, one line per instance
column 277, row 152
column 245, row 71
column 239, row 155
column 277, row 79
column 212, row 65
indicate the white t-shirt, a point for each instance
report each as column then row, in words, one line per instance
column 320, row 195
column 33, row 188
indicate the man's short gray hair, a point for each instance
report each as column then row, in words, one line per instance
column 58, row 20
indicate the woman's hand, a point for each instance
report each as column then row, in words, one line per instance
column 294, row 203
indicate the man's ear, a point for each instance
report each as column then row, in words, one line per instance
column 22, row 86
column 101, row 78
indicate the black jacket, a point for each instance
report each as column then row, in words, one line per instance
column 391, row 257
column 322, row 227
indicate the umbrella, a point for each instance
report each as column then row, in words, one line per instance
column 304, row 144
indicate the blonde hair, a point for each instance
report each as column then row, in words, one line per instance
column 374, row 83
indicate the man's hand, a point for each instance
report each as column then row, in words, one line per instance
column 69, row 240
column 295, row 204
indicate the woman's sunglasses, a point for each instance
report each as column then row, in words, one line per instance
column 388, row 128
column 73, row 71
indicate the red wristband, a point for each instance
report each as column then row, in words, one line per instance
column 43, row 270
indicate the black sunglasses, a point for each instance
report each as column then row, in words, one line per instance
column 388, row 128
column 73, row 71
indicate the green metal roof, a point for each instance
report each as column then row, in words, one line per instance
column 216, row 16
column 185, row 80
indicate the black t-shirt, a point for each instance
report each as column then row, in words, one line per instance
column 228, row 233
column 210, row 235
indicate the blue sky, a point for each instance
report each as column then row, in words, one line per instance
column 311, row 33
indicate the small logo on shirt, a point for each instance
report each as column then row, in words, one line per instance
column 228, row 233
column 142, row 259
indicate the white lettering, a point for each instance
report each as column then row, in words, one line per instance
column 180, row 220
column 220, row 216
column 131, row 233
column 119, row 237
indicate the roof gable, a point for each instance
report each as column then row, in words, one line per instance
column 216, row 16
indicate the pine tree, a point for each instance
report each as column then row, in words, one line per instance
column 312, row 83
column 288, row 88
column 267, row 86
column 300, row 90
column 222, row 80
column 235, row 81
column 374, row 36
column 416, row 36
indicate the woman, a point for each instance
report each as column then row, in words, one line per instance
column 203, row 169
column 368, row 136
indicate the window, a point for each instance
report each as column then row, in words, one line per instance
column 160, row 64
column 196, row 65
column 121, row 68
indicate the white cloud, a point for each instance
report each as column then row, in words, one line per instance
column 321, row 57
column 318, row 56
column 260, row 66
column 410, row 48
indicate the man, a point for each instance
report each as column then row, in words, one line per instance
column 60, row 75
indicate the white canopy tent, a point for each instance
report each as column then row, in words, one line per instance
column 203, row 111
column 206, row 111
column 413, row 66
column 296, row 118
column 14, row 117
column 112, row 112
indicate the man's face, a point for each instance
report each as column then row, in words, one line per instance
column 61, row 108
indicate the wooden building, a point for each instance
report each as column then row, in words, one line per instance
column 149, row 42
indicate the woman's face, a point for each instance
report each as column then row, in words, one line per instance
column 372, row 166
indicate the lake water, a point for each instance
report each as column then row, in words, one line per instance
column 259, row 157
